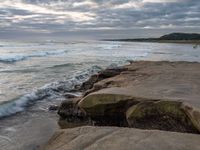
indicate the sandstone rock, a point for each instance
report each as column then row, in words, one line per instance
column 147, row 95
column 107, row 109
column 193, row 113
column 163, row 115
column 176, row 83
column 70, row 112
column 89, row 83
column 113, row 138
column 107, row 73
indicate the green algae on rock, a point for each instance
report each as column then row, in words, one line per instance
column 163, row 115
column 166, row 91
column 107, row 109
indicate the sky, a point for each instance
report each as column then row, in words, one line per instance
column 96, row 19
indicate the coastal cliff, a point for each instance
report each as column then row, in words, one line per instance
column 151, row 105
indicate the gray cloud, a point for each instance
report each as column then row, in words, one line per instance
column 95, row 17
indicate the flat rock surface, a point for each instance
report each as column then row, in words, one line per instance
column 176, row 81
column 114, row 138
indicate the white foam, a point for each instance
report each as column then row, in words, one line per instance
column 110, row 46
column 14, row 106
column 10, row 129
column 11, row 57
column 5, row 138
column 46, row 53
column 48, row 92
column 8, row 58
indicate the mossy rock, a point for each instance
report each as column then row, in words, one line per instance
column 107, row 109
column 98, row 104
column 163, row 115
column 193, row 113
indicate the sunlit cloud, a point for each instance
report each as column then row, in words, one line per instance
column 76, row 16
column 135, row 5
column 85, row 4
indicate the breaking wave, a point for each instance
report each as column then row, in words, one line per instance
column 10, row 58
column 48, row 92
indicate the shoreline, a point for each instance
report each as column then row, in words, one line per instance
column 181, row 38
column 142, row 95
column 197, row 42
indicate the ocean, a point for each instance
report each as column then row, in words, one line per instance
column 35, row 75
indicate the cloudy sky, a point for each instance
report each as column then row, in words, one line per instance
column 97, row 18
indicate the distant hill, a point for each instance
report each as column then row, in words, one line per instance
column 180, row 36
column 168, row 38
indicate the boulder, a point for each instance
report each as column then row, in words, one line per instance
column 70, row 110
column 70, row 113
column 110, row 107
column 107, row 109
column 107, row 73
column 163, row 115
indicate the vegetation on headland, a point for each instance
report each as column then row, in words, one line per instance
column 192, row 38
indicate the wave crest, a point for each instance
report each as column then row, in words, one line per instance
column 48, row 92
column 10, row 58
